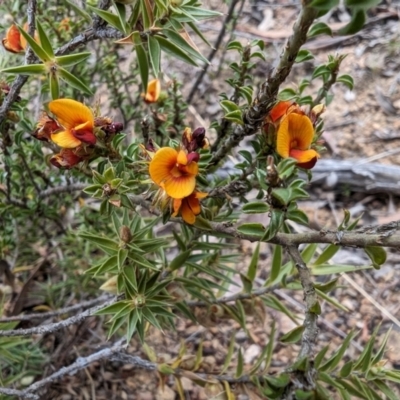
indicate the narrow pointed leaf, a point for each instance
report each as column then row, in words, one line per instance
column 79, row 10
column 32, row 69
column 72, row 59
column 276, row 263
column 54, row 86
column 173, row 50
column 111, row 18
column 252, row 270
column 239, row 368
column 180, row 42
column 293, row 336
column 74, row 81
column 141, row 59
column 37, row 49
column 155, row 55
column 44, row 40
column 121, row 11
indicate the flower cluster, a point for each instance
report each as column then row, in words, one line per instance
column 295, row 132
column 174, row 171
column 73, row 129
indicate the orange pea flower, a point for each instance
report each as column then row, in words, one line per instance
column 65, row 159
column 188, row 207
column 279, row 110
column 12, row 41
column 77, row 121
column 174, row 171
column 294, row 137
column 153, row 91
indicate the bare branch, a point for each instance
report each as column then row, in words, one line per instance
column 19, row 393
column 78, row 365
column 50, row 328
column 62, row 189
column 56, row 313
column 310, row 322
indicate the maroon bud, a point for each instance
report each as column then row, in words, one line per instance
column 193, row 157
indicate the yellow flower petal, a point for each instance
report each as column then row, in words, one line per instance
column 176, row 206
column 182, row 158
column 301, row 131
column 303, row 156
column 71, row 113
column 180, row 187
column 162, row 163
column 283, row 139
column 194, row 204
column 65, row 139
column 187, row 214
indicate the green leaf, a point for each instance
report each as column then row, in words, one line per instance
column 377, row 255
column 346, row 80
column 365, row 4
column 283, row 195
column 113, row 308
column 54, row 86
column 235, row 45
column 122, row 255
column 252, row 229
column 308, row 252
column 252, row 270
column 240, row 363
column 385, row 389
column 276, row 263
column 332, row 300
column 327, row 269
column 346, row 370
column 72, row 59
column 235, row 116
column 180, row 42
column 229, row 106
column 356, row 23
column 275, row 223
column 141, row 59
column 147, row 14
column 79, row 10
column 121, row 11
column 326, row 287
column 179, row 260
column 36, row 48
column 324, row 4
column 298, row 216
column 334, row 361
column 320, row 356
column 32, row 69
column 74, row 81
column 304, row 55
column 287, row 94
column 293, row 336
column 155, row 54
column 319, row 28
column 44, row 40
column 327, row 254
column 255, row 207
column 380, row 353
column 321, row 70
column 173, row 50
column 110, row 18
column 229, row 355
column 103, row 242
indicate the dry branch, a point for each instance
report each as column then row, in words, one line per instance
column 359, row 176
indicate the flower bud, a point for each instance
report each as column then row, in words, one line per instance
column 125, row 234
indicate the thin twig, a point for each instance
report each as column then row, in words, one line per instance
column 210, row 57
column 310, row 332
column 18, row 393
column 78, row 365
column 62, row 311
column 50, row 328
column 62, row 189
